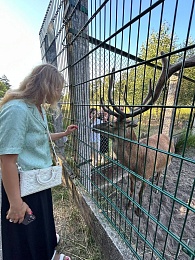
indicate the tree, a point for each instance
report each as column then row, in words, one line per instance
column 98, row 89
column 140, row 76
column 4, row 85
column 137, row 79
column 187, row 87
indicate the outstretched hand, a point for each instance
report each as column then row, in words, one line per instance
column 71, row 128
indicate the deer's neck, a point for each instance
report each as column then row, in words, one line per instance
column 126, row 150
column 122, row 145
column 130, row 134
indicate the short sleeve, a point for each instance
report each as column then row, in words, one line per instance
column 13, row 123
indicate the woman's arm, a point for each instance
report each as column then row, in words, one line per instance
column 69, row 130
column 10, row 180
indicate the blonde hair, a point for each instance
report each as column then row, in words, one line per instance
column 44, row 81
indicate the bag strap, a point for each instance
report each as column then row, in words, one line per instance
column 54, row 151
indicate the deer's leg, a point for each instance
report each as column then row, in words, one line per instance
column 157, row 177
column 137, row 210
column 131, row 192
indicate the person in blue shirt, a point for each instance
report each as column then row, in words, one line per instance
column 24, row 141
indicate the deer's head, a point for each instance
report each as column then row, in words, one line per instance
column 112, row 129
column 123, row 123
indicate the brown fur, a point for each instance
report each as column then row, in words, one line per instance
column 142, row 160
column 139, row 159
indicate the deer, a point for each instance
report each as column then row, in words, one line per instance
column 138, row 156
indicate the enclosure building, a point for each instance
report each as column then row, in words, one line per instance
column 129, row 68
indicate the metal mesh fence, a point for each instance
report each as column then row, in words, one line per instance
column 86, row 40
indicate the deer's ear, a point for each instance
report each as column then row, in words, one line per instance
column 131, row 124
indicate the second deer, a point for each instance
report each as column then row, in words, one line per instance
column 149, row 154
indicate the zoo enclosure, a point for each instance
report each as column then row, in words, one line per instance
column 86, row 39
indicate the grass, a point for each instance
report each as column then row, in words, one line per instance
column 75, row 237
column 181, row 113
column 189, row 142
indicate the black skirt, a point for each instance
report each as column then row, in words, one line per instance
column 36, row 241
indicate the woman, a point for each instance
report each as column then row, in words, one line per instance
column 24, row 140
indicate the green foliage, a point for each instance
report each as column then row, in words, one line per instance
column 60, row 194
column 186, row 91
column 187, row 87
column 138, row 78
column 75, row 237
column 4, row 85
column 98, row 89
column 187, row 142
column 50, row 122
column 157, row 42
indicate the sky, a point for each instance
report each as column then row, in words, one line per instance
column 20, row 21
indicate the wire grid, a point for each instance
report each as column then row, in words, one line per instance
column 91, row 38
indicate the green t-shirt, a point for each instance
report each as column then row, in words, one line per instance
column 24, row 132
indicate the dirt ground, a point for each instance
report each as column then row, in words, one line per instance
column 173, row 211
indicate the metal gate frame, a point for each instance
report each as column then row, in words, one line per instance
column 74, row 37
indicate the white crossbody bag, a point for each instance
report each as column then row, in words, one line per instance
column 33, row 181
